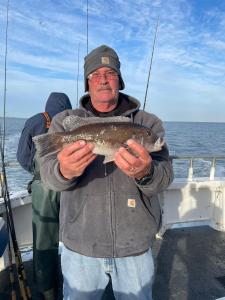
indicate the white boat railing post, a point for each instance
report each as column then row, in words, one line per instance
column 218, row 209
column 195, row 201
column 190, row 170
column 212, row 169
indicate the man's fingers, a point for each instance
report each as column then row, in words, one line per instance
column 75, row 158
column 84, row 161
column 71, row 148
column 70, row 167
column 137, row 148
column 126, row 155
column 121, row 162
column 133, row 166
column 75, row 151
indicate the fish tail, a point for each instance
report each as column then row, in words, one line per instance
column 48, row 143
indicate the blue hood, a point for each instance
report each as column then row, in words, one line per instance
column 56, row 103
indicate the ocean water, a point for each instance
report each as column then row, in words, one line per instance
column 196, row 139
column 17, row 178
column 183, row 138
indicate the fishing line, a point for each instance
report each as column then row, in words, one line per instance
column 5, row 76
column 150, row 67
column 78, row 70
column 87, row 26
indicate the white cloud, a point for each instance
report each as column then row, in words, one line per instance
column 188, row 64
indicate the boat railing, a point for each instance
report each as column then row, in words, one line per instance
column 191, row 159
column 10, row 164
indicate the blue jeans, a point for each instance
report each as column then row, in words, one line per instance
column 85, row 278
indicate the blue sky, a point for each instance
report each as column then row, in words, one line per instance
column 188, row 72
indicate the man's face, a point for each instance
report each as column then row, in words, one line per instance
column 103, row 88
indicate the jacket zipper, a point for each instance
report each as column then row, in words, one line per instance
column 112, row 213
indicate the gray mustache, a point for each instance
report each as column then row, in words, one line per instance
column 105, row 88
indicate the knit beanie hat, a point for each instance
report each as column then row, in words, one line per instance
column 102, row 56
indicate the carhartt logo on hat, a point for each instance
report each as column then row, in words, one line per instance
column 102, row 56
column 105, row 60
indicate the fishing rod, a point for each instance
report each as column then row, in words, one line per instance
column 150, row 67
column 10, row 267
column 24, row 288
column 11, row 273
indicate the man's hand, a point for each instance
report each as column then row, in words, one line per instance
column 134, row 166
column 74, row 159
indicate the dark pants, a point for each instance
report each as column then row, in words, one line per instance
column 46, row 261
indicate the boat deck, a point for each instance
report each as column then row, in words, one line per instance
column 190, row 265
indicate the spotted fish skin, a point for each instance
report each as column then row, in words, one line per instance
column 106, row 136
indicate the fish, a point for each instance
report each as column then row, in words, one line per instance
column 106, row 134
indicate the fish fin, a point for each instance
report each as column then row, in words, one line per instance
column 112, row 119
column 47, row 143
column 74, row 122
column 158, row 144
column 108, row 159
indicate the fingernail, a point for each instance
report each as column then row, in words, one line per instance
column 91, row 146
column 129, row 142
column 82, row 143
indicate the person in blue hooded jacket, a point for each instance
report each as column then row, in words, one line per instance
column 45, row 202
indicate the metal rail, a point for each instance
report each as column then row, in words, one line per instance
column 213, row 160
column 190, row 159
column 10, row 164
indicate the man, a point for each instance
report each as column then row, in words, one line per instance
column 45, row 203
column 109, row 214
